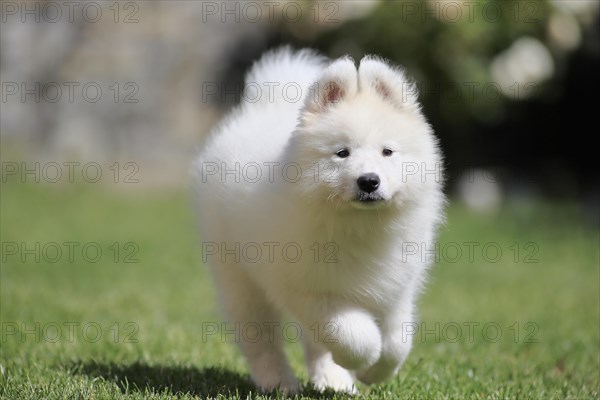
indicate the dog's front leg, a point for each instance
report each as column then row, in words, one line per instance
column 397, row 333
column 347, row 331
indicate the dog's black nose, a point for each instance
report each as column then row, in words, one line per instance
column 368, row 182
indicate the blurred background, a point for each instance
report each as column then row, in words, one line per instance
column 509, row 87
column 103, row 105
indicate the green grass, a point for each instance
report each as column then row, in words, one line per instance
column 167, row 295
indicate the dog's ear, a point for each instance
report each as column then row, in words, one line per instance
column 338, row 82
column 388, row 82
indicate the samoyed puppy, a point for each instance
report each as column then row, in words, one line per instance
column 319, row 196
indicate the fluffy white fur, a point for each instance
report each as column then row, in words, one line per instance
column 352, row 311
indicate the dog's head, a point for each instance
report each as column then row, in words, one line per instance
column 362, row 140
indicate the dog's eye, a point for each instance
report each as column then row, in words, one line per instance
column 387, row 152
column 343, row 153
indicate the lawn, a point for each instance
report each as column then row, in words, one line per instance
column 131, row 322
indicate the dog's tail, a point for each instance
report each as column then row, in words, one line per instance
column 283, row 74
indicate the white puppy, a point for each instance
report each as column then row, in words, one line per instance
column 318, row 196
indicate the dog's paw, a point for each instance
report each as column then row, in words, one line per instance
column 357, row 341
column 336, row 378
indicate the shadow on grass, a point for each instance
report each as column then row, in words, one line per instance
column 206, row 382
